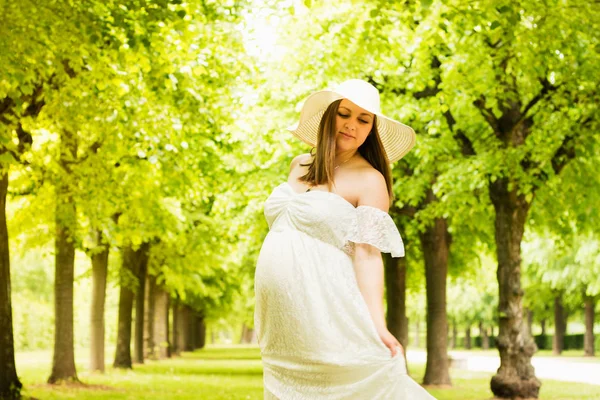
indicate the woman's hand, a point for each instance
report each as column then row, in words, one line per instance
column 390, row 341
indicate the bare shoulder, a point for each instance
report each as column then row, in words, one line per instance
column 373, row 189
column 300, row 159
column 296, row 169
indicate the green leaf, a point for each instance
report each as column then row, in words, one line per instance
column 7, row 158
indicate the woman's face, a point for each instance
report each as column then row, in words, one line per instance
column 353, row 125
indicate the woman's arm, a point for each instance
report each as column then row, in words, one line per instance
column 368, row 267
column 368, row 263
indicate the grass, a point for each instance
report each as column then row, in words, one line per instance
column 232, row 373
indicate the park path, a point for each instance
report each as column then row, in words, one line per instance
column 566, row 369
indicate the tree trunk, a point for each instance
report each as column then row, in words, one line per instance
column 186, row 321
column 192, row 330
column 140, row 302
column 529, row 314
column 178, row 328
column 244, row 329
column 10, row 386
column 169, row 341
column 468, row 338
column 454, row 343
column 543, row 326
column 99, row 274
column 417, row 333
column 435, row 242
column 174, row 346
column 485, row 339
column 516, row 376
column 200, row 332
column 395, row 283
column 558, row 342
column 247, row 334
column 129, row 273
column 149, row 318
column 63, row 362
column 251, row 336
column 160, row 319
column 184, row 340
column 588, row 337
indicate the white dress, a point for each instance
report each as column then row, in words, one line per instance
column 316, row 335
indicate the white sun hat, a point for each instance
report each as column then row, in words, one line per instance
column 396, row 137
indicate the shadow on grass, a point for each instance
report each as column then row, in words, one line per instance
column 199, row 366
column 73, row 389
column 223, row 354
column 76, row 386
column 208, row 371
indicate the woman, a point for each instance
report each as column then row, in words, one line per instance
column 319, row 275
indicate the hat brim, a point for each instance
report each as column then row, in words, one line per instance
column 396, row 137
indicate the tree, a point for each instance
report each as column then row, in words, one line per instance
column 435, row 242
column 10, row 385
column 20, row 97
column 395, row 282
column 63, row 364
column 508, row 146
column 132, row 262
column 567, row 268
column 562, row 246
column 99, row 257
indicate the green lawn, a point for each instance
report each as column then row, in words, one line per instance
column 234, row 373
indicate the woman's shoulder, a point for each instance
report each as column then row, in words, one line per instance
column 369, row 175
column 373, row 187
column 300, row 159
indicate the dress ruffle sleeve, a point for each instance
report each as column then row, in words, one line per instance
column 375, row 227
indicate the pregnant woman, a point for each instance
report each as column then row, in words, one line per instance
column 319, row 275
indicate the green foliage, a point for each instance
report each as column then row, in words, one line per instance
column 476, row 342
column 566, row 264
column 146, row 92
column 180, row 139
column 33, row 311
column 472, row 298
column 571, row 342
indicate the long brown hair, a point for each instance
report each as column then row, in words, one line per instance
column 320, row 169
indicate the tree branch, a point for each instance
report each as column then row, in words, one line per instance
column 564, row 154
column 499, row 43
column 466, row 146
column 25, row 138
column 566, row 151
column 4, row 120
column 93, row 149
column 27, row 192
column 6, row 104
column 464, row 142
column 546, row 88
column 406, row 210
column 488, row 115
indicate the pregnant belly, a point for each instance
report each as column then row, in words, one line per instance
column 274, row 266
column 281, row 315
column 307, row 299
column 290, row 261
